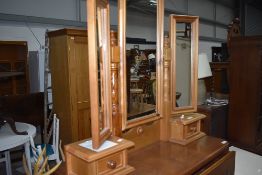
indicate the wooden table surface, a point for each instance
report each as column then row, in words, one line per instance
column 169, row 158
column 166, row 158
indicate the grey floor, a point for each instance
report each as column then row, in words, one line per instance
column 247, row 163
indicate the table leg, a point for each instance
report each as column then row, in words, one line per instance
column 28, row 158
column 8, row 163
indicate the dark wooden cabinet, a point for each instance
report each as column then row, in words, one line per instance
column 13, row 68
column 245, row 98
column 215, row 123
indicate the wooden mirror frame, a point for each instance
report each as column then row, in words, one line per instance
column 98, row 12
column 159, row 68
column 194, row 20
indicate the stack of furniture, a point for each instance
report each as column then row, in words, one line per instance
column 13, row 68
column 70, row 82
column 245, row 98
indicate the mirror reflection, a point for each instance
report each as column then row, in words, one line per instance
column 99, row 67
column 183, row 64
column 141, row 22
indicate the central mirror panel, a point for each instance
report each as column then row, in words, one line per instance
column 183, row 64
column 140, row 59
column 139, row 55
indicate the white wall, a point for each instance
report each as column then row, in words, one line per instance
column 58, row 9
column 140, row 26
column 76, row 10
column 205, row 47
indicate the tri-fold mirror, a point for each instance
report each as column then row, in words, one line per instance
column 140, row 35
column 184, row 62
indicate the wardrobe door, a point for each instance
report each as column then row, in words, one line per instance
column 79, row 82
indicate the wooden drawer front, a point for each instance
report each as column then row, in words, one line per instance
column 110, row 163
column 223, row 166
column 191, row 129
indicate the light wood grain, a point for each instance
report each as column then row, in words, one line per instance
column 164, row 123
column 98, row 25
column 81, row 160
column 70, row 85
column 116, row 117
column 143, row 135
column 194, row 21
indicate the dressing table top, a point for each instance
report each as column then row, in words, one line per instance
column 170, row 158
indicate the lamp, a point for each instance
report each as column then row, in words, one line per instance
column 204, row 71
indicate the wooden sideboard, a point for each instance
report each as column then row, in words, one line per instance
column 215, row 123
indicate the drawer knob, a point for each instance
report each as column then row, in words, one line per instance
column 111, row 164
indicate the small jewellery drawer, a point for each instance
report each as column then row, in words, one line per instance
column 110, row 163
column 191, row 129
column 185, row 128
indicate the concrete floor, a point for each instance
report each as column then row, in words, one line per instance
column 247, row 163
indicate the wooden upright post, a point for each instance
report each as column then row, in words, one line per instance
column 164, row 134
column 115, row 54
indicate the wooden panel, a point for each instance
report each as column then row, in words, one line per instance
column 84, row 123
column 225, row 165
column 60, row 85
column 77, row 166
column 245, row 87
column 70, row 82
column 72, row 32
column 143, row 135
column 79, row 87
column 191, row 129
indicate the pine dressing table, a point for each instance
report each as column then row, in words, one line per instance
column 145, row 147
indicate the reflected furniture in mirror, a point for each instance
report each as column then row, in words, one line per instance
column 139, row 81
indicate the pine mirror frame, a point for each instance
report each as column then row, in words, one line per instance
column 159, row 66
column 99, row 25
column 194, row 20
